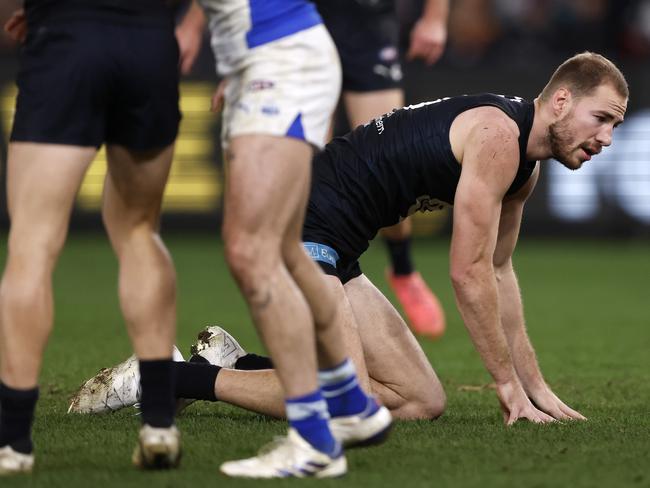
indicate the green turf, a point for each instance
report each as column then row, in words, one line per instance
column 588, row 310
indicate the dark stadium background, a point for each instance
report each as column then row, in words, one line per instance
column 501, row 46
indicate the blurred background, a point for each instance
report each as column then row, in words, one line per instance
column 501, row 46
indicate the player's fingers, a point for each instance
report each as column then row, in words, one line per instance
column 538, row 416
column 544, row 417
column 17, row 33
column 419, row 47
column 218, row 97
column 572, row 414
column 187, row 62
column 21, row 35
column 13, row 27
column 215, row 103
column 412, row 52
column 8, row 25
column 14, row 20
column 434, row 54
column 552, row 410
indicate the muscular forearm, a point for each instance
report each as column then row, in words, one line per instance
column 194, row 17
column 477, row 299
column 512, row 321
column 436, row 10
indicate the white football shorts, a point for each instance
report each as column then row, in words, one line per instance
column 286, row 87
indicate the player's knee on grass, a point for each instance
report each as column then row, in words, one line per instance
column 419, row 398
column 428, row 406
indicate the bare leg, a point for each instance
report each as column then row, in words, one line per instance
column 267, row 177
column 260, row 391
column 326, row 301
column 400, row 373
column 389, row 361
column 147, row 281
column 42, row 182
column 398, row 232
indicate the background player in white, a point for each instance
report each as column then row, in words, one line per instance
column 281, row 81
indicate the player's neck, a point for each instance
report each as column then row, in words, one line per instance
column 539, row 146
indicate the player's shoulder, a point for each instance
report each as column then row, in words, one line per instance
column 491, row 120
column 485, row 126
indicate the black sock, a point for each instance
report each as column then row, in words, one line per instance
column 16, row 417
column 158, row 404
column 400, row 255
column 195, row 380
column 253, row 362
column 195, row 358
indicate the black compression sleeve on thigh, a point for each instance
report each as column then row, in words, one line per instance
column 253, row 362
column 400, row 255
column 195, row 381
column 16, row 416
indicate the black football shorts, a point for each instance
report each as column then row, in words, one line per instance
column 84, row 83
column 367, row 41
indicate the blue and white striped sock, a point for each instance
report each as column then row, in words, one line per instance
column 341, row 389
column 308, row 415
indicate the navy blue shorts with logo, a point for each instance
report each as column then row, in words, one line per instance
column 84, row 83
column 329, row 260
column 367, row 41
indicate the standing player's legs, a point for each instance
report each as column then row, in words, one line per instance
column 265, row 189
column 42, row 181
column 131, row 208
column 326, row 302
column 422, row 308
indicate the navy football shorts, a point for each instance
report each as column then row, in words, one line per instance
column 367, row 42
column 85, row 83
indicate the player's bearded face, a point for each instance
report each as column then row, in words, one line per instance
column 563, row 142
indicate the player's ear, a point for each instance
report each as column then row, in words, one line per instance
column 561, row 101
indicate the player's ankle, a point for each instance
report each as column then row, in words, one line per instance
column 308, row 415
column 341, row 389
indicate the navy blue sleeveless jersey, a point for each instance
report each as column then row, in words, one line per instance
column 395, row 165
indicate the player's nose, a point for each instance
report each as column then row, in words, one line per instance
column 604, row 137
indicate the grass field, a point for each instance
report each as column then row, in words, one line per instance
column 588, row 310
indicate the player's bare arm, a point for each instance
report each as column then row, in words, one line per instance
column 189, row 35
column 16, row 26
column 511, row 309
column 490, row 157
column 429, row 35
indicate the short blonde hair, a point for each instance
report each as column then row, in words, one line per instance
column 583, row 74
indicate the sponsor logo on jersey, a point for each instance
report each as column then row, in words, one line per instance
column 379, row 123
column 259, row 85
column 270, row 110
column 425, row 203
